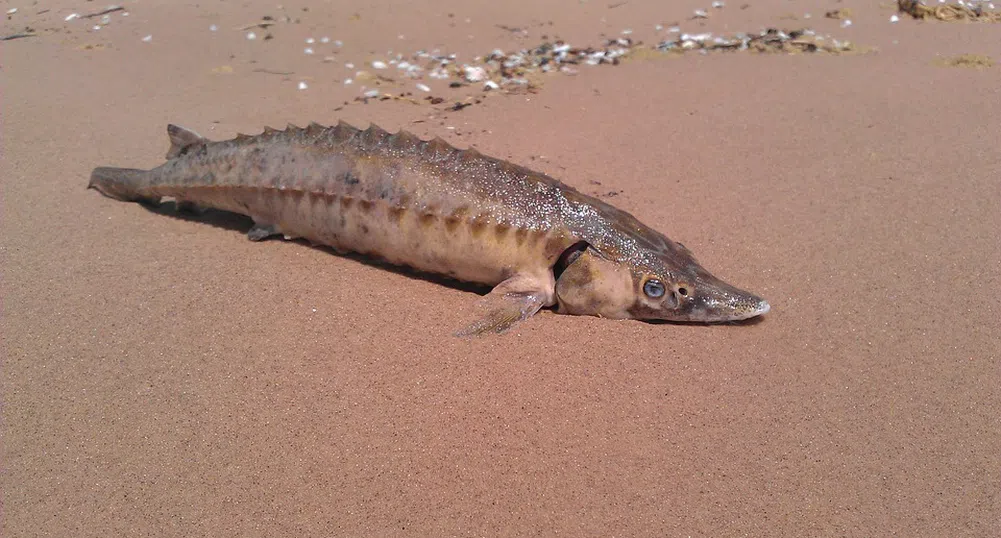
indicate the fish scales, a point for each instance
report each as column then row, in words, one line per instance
column 423, row 204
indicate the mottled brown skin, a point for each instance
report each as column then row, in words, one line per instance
column 430, row 206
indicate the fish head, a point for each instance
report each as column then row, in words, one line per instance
column 671, row 287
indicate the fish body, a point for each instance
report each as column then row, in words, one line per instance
column 430, row 206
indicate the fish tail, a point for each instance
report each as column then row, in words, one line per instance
column 125, row 184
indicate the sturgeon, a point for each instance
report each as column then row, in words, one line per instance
column 439, row 209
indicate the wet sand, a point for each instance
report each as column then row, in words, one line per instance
column 165, row 376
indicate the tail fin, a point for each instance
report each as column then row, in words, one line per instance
column 125, row 184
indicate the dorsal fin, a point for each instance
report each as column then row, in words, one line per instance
column 270, row 131
column 240, row 137
column 181, row 139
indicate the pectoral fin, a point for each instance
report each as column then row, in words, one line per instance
column 260, row 232
column 516, row 299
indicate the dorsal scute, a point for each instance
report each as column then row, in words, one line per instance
column 342, row 132
column 315, row 129
column 405, row 140
column 470, row 154
column 439, row 147
column 375, row 134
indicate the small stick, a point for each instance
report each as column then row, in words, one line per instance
column 17, row 36
column 262, row 24
column 111, row 9
column 270, row 72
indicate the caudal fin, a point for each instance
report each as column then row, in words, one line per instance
column 125, row 184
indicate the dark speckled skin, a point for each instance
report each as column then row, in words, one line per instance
column 428, row 205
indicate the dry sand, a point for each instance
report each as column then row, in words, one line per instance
column 167, row 377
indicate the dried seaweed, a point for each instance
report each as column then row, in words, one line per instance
column 948, row 12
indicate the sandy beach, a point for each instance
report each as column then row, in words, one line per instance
column 164, row 376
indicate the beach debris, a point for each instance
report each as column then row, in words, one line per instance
column 423, row 87
column 307, row 50
column 19, row 35
column 700, row 14
column 213, row 28
column 718, row 4
column 264, row 23
column 103, row 12
column 71, row 16
column 148, row 38
column 846, row 23
column 770, row 40
column 378, row 64
column 894, row 18
column 839, row 14
column 977, row 61
column 961, row 11
column 303, row 85
column 12, row 11
column 251, row 36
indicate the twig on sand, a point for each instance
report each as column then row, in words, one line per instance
column 272, row 72
column 17, row 36
column 110, row 9
column 262, row 24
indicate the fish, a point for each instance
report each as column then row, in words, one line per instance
column 430, row 206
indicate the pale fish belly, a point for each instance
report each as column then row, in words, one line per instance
column 466, row 247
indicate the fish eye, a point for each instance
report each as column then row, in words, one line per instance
column 653, row 288
column 683, row 291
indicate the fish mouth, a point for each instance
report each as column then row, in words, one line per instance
column 728, row 315
column 761, row 308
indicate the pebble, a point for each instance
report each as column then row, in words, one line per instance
column 303, row 86
column 213, row 28
column 423, row 87
column 251, row 36
column 378, row 65
column 894, row 18
column 148, row 38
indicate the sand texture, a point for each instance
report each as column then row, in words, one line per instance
column 164, row 376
